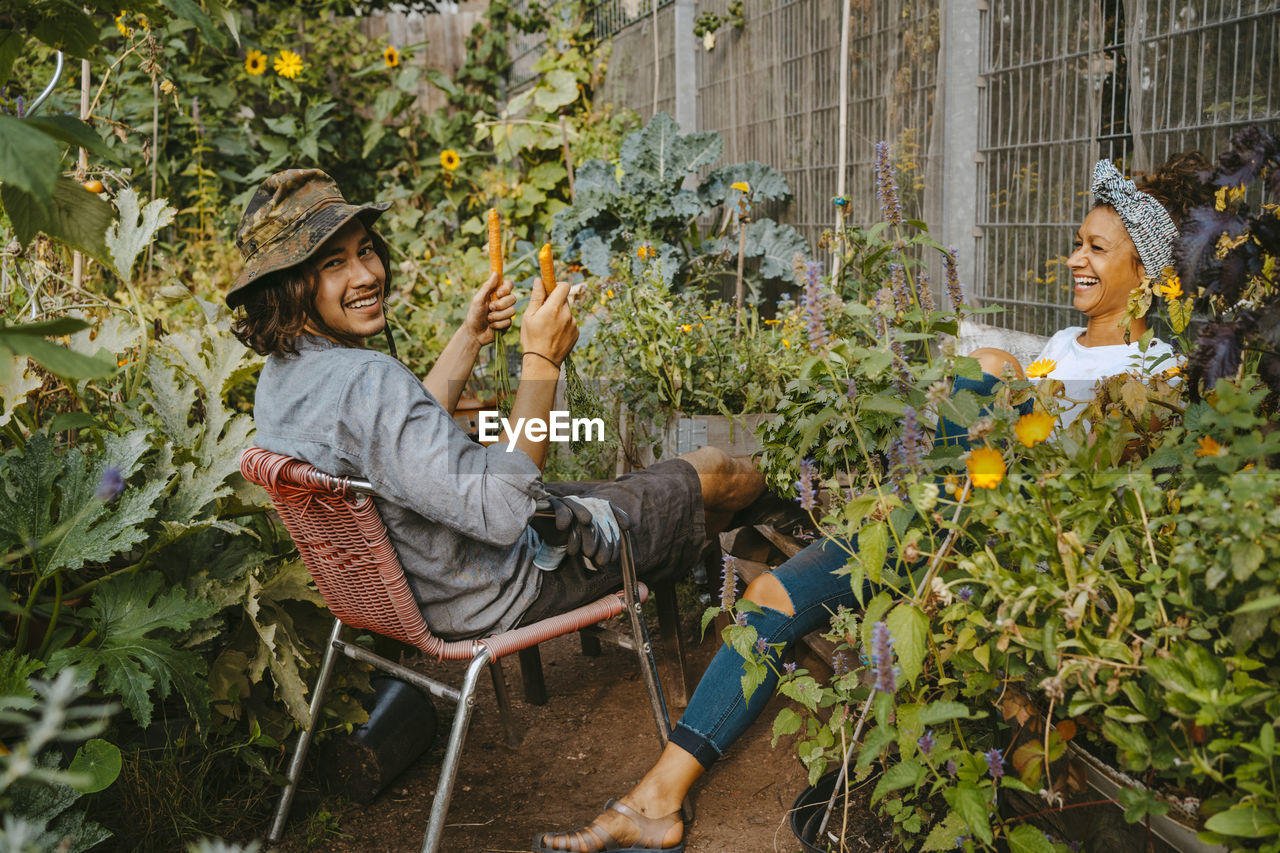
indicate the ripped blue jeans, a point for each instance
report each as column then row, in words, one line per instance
column 717, row 714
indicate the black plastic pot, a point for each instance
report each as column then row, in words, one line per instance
column 806, row 812
column 401, row 727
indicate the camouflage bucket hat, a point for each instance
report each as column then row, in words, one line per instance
column 289, row 217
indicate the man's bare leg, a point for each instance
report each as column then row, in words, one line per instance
column 729, row 483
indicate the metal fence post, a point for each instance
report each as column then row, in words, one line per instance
column 961, row 52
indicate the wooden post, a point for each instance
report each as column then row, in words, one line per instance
column 82, row 164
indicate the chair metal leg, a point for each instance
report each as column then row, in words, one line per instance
column 590, row 644
column 504, row 703
column 449, row 768
column 644, row 648
column 304, row 737
column 535, row 688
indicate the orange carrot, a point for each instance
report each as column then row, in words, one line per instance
column 547, row 266
column 495, row 243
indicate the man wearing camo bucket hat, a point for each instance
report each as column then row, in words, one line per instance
column 312, row 290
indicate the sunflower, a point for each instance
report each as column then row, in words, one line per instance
column 255, row 63
column 1041, row 367
column 391, row 56
column 449, row 160
column 1033, row 428
column 125, row 29
column 288, row 64
column 986, row 467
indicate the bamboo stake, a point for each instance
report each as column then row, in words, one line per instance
column 657, row 69
column 568, row 156
column 82, row 164
column 843, row 143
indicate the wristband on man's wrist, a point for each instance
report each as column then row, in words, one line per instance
column 544, row 358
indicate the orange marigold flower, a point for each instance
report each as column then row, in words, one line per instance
column 986, row 467
column 1033, row 428
column 1041, row 367
column 1209, row 447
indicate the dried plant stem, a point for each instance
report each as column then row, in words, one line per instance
column 844, row 766
column 947, row 543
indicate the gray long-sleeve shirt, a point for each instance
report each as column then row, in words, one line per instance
column 457, row 513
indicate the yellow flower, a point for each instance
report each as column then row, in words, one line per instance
column 1209, row 447
column 786, row 343
column 125, row 30
column 449, row 159
column 986, row 467
column 686, row 328
column 391, row 56
column 1041, row 367
column 772, row 322
column 1033, row 428
column 255, row 63
column 741, row 186
column 1172, row 288
column 609, row 293
column 1171, row 372
column 288, row 64
column 646, row 252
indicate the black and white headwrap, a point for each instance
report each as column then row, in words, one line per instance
column 1148, row 223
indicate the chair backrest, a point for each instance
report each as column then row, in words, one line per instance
column 345, row 547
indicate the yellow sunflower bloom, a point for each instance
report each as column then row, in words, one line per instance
column 1041, row 367
column 986, row 467
column 1209, row 447
column 288, row 64
column 449, row 159
column 391, row 56
column 125, row 30
column 1033, row 428
column 255, row 63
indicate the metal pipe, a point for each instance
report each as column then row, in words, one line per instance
column 48, row 90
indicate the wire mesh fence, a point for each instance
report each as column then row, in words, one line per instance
column 995, row 111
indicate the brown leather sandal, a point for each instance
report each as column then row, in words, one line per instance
column 594, row 838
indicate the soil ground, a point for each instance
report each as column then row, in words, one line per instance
column 593, row 740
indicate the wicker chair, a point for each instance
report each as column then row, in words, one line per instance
column 345, row 547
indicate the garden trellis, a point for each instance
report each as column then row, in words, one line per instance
column 996, row 110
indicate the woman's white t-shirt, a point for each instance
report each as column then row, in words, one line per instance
column 1079, row 367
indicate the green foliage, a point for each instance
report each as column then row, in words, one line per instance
column 643, row 201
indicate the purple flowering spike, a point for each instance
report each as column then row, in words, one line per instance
column 886, row 674
column 965, row 593
column 839, row 665
column 901, row 291
column 886, row 190
column 912, row 440
column 762, row 646
column 111, row 485
column 923, row 291
column 995, row 762
column 805, row 485
column 926, row 742
column 740, row 619
column 789, row 666
column 816, row 322
column 954, row 291
column 851, row 389
column 951, row 767
column 729, row 583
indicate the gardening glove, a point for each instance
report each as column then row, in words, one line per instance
column 594, row 527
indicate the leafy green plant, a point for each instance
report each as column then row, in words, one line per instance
column 642, row 201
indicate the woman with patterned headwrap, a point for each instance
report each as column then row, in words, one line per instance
column 1125, row 241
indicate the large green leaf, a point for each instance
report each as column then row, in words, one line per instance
column 1244, row 821
column 15, row 669
column 57, row 359
column 26, row 492
column 71, row 215
column 10, row 50
column 1025, row 838
column 98, row 531
column 767, row 183
column 558, row 88
column 98, row 763
column 129, row 235
column 776, row 246
column 29, row 159
column 910, row 630
column 131, row 654
column 73, row 132
column 189, row 10
column 659, row 151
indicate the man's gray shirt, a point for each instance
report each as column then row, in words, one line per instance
column 457, row 512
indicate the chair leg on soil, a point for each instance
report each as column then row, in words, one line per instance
column 673, row 644
column 304, row 737
column 535, row 689
column 504, row 703
column 453, row 752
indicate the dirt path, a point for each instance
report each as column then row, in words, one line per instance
column 592, row 740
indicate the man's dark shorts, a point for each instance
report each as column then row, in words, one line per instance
column 668, row 532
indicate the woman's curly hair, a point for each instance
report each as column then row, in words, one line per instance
column 1178, row 183
column 277, row 310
